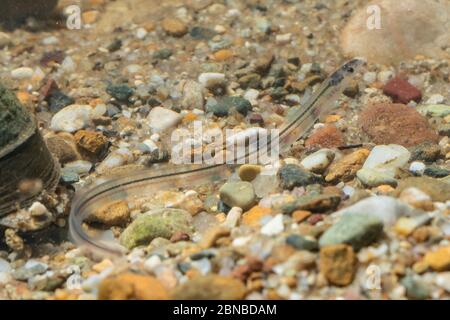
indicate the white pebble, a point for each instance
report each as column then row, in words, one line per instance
column 151, row 145
column 417, row 167
column 387, row 159
column 37, row 209
column 141, row 33
column 370, row 77
column 318, row 161
column 161, row 119
column 233, row 217
column 211, row 79
column 435, row 99
column 283, row 38
column 50, row 40
column 72, row 118
column 152, row 262
column 274, row 226
column 22, row 73
column 385, row 76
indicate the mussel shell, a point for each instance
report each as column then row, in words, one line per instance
column 20, row 9
column 28, row 158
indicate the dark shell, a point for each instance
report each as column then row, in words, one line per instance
column 20, row 9
column 23, row 154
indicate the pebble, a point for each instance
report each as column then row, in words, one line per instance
column 211, row 80
column 213, row 234
column 435, row 99
column 357, row 230
column 233, row 217
column 223, row 107
column 22, row 73
column 436, row 189
column 192, row 95
column 274, row 227
column 30, row 269
column 415, row 288
column 396, row 124
column 92, row 142
column 436, row 172
column 292, row 176
column 72, row 118
column 435, row 110
column 160, row 223
column 406, row 225
column 302, row 242
column 238, row 194
column 338, row 264
column 210, row 287
column 426, row 151
column 161, row 119
column 283, row 38
column 439, row 259
column 345, row 168
column 385, row 208
column 318, row 161
column 443, row 280
column 151, row 263
column 121, row 92
column 115, row 159
column 386, row 159
column 174, row 27
column 326, row 137
column 114, row 214
column 58, row 100
column 373, row 178
column 401, row 91
column 255, row 215
column 313, row 202
column 248, row 172
column 131, row 286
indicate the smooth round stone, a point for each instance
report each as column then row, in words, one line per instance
column 79, row 166
column 161, row 119
column 417, row 168
column 373, row 178
column 248, row 172
column 387, row 159
column 72, row 118
column 211, row 79
column 22, row 73
column 318, row 161
column 238, row 194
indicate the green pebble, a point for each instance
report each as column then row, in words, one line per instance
column 238, row 194
column 302, row 243
column 292, row 176
column 357, row 230
column 121, row 92
column 161, row 223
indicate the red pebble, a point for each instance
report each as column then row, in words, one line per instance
column 315, row 218
column 402, row 91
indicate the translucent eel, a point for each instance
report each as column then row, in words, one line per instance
column 142, row 183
